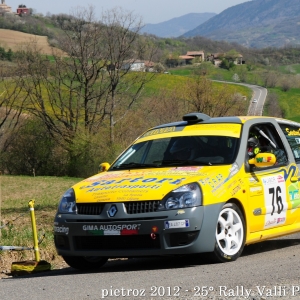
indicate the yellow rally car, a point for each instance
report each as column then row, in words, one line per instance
column 199, row 185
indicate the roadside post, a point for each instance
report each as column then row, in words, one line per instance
column 29, row 266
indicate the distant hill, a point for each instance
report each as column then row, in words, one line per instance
column 255, row 24
column 177, row 26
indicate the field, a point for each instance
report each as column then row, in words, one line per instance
column 15, row 194
column 15, row 40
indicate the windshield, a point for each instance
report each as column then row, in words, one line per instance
column 179, row 151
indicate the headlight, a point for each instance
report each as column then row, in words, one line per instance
column 186, row 196
column 67, row 203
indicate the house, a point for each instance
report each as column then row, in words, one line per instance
column 23, row 10
column 138, row 65
column 185, row 59
column 216, row 58
column 4, row 9
column 133, row 65
column 196, row 54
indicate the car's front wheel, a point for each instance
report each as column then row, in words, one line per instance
column 85, row 262
column 230, row 234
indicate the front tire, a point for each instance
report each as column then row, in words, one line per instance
column 230, row 234
column 85, row 262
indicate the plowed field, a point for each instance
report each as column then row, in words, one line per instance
column 15, row 40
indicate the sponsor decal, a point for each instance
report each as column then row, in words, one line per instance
column 271, row 222
column 120, row 229
column 159, row 131
column 291, row 132
column 255, row 189
column 280, row 220
column 235, row 190
column 253, row 180
column 263, row 159
column 280, row 178
column 214, row 181
column 294, row 196
column 193, row 169
column 61, row 229
column 130, row 183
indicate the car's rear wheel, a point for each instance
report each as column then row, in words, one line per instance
column 230, row 234
column 85, row 262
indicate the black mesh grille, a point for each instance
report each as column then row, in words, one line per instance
column 89, row 208
column 141, row 207
column 116, row 242
column 137, row 207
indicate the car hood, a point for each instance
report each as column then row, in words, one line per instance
column 148, row 184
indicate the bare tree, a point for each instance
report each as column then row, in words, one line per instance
column 204, row 97
column 273, row 106
column 11, row 105
column 86, row 86
column 270, row 79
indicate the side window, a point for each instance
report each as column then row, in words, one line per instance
column 264, row 138
column 292, row 134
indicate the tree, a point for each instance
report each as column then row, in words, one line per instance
column 270, row 79
column 11, row 104
column 204, row 97
column 86, row 87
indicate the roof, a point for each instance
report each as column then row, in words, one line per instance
column 214, row 120
column 186, row 57
column 195, row 53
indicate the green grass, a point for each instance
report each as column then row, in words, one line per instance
column 290, row 69
column 16, row 193
column 290, row 102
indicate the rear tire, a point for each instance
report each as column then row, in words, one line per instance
column 230, row 234
column 85, row 262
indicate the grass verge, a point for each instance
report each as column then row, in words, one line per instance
column 15, row 194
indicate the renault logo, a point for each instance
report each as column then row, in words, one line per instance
column 112, row 211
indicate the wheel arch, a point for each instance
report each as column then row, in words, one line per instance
column 241, row 207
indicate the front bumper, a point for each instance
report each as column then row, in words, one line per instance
column 146, row 234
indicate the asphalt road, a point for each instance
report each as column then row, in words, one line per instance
column 259, row 93
column 267, row 270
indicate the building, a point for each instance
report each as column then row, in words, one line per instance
column 5, row 9
column 23, row 10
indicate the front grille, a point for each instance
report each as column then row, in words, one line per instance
column 89, row 208
column 140, row 207
column 132, row 207
column 127, row 242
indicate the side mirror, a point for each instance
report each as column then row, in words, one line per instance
column 262, row 160
column 103, row 167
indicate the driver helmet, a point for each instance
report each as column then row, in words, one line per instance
column 181, row 148
column 253, row 146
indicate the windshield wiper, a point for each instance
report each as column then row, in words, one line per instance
column 133, row 165
column 183, row 162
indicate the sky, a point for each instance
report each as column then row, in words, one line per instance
column 151, row 11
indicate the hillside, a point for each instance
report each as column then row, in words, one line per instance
column 15, row 40
column 177, row 26
column 255, row 24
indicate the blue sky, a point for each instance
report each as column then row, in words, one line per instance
column 151, row 11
